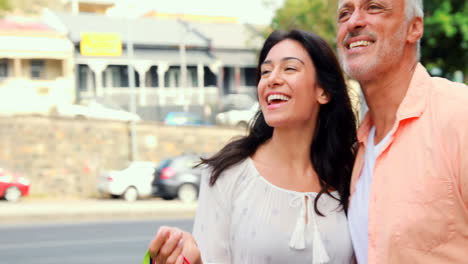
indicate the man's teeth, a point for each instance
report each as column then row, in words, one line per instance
column 277, row 97
column 359, row 43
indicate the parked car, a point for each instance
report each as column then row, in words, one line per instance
column 12, row 186
column 94, row 109
column 175, row 177
column 235, row 102
column 183, row 119
column 237, row 118
column 130, row 183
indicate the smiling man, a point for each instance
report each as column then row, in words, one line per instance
column 409, row 190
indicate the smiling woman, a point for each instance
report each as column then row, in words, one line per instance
column 279, row 194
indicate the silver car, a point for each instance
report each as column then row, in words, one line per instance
column 130, row 183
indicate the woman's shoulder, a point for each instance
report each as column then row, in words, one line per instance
column 230, row 175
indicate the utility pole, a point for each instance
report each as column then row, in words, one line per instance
column 183, row 66
column 131, row 86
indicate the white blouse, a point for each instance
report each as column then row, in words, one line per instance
column 244, row 218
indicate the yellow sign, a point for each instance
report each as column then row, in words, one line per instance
column 100, row 44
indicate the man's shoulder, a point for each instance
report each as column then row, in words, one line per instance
column 447, row 89
column 452, row 97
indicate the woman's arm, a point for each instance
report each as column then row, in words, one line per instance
column 172, row 245
column 210, row 240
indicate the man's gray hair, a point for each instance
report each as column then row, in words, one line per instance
column 414, row 8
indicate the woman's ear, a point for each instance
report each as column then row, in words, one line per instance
column 322, row 96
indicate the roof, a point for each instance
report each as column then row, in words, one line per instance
column 97, row 2
column 17, row 26
column 158, row 39
column 32, row 40
column 230, row 35
column 170, row 56
column 144, row 31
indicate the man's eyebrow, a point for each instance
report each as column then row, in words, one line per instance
column 345, row 5
column 284, row 59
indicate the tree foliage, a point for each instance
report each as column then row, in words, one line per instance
column 318, row 16
column 4, row 6
column 444, row 44
column 445, row 41
column 29, row 7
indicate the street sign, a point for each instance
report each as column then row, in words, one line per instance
column 100, row 44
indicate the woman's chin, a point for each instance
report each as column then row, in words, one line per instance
column 278, row 122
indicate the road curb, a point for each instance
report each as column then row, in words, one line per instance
column 92, row 210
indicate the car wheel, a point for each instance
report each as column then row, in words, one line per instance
column 130, row 195
column 12, row 194
column 167, row 197
column 187, row 193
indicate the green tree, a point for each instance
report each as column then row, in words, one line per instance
column 445, row 41
column 34, row 7
column 4, row 6
column 318, row 16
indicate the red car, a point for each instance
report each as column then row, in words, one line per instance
column 12, row 186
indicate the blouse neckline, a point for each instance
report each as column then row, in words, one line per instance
column 251, row 164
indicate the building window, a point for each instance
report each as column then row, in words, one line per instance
column 3, row 68
column 37, row 69
column 210, row 77
column 250, row 76
column 172, row 76
column 192, row 76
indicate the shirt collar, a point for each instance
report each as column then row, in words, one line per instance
column 412, row 106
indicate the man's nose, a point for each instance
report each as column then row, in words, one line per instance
column 357, row 20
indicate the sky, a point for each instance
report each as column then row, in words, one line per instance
column 247, row 11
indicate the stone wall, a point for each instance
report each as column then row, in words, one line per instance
column 63, row 157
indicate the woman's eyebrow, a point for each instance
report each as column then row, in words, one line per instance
column 284, row 59
column 292, row 58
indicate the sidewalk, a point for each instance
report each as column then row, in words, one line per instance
column 34, row 211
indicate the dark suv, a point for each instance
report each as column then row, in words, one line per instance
column 175, row 177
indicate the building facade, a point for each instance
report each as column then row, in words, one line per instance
column 36, row 68
column 176, row 63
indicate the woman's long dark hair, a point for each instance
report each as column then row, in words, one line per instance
column 332, row 148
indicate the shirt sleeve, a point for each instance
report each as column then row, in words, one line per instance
column 463, row 157
column 212, row 221
column 457, row 138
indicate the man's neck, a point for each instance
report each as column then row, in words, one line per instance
column 384, row 95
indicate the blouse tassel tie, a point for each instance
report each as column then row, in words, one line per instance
column 297, row 241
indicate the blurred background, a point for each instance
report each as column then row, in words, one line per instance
column 105, row 102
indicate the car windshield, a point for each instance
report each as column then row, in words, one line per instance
column 164, row 163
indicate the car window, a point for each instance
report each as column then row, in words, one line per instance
column 190, row 163
column 185, row 162
column 164, row 164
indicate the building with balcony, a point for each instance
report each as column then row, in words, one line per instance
column 215, row 58
column 36, row 68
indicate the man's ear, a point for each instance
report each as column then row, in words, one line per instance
column 415, row 30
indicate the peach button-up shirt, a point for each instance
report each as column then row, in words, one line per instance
column 418, row 208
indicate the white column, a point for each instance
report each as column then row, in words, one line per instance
column 217, row 68
column 17, row 68
column 162, row 69
column 237, row 79
column 142, row 67
column 98, row 67
column 201, row 83
column 109, row 85
column 75, row 8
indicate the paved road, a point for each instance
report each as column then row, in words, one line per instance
column 112, row 242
